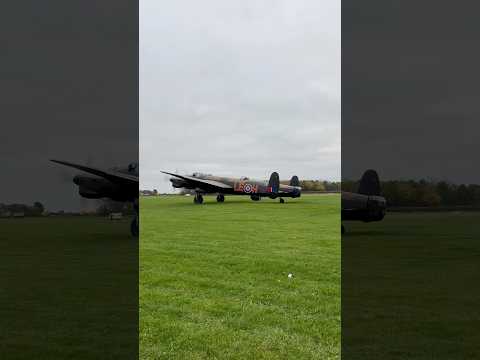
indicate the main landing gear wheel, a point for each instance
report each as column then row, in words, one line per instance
column 134, row 227
column 282, row 201
column 220, row 198
column 198, row 199
column 135, row 221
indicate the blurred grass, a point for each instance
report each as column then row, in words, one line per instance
column 68, row 289
column 410, row 287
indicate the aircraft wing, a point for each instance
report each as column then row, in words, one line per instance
column 201, row 182
column 114, row 176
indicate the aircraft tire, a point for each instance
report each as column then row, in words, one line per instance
column 220, row 198
column 198, row 199
column 282, row 201
column 134, row 227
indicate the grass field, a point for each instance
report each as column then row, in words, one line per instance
column 410, row 287
column 214, row 278
column 68, row 289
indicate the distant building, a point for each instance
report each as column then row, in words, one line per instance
column 115, row 216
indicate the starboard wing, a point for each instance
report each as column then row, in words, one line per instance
column 114, row 176
column 200, row 182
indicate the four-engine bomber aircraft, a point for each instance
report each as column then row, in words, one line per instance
column 366, row 205
column 208, row 184
column 115, row 184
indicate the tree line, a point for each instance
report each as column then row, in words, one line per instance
column 425, row 193
column 37, row 209
column 317, row 185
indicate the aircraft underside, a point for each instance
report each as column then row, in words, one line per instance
column 198, row 199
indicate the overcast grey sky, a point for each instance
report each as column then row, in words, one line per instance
column 410, row 91
column 68, row 91
column 240, row 88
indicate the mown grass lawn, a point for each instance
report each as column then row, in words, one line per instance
column 214, row 278
column 410, row 287
column 68, row 289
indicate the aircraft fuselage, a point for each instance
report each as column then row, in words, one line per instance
column 239, row 186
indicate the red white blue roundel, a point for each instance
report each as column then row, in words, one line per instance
column 247, row 188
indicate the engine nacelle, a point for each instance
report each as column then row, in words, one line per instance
column 96, row 188
column 178, row 183
column 88, row 194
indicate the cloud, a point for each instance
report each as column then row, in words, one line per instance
column 239, row 88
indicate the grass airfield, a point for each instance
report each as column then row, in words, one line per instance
column 410, row 287
column 214, row 278
column 68, row 286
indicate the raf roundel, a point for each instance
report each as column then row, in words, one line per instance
column 247, row 188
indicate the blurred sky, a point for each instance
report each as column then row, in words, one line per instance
column 69, row 91
column 411, row 90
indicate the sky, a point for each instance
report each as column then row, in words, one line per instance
column 411, row 90
column 239, row 88
column 68, row 91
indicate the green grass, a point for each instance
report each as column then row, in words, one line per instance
column 214, row 278
column 68, row 289
column 410, row 287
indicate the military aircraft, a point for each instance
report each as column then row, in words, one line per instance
column 208, row 184
column 366, row 205
column 118, row 184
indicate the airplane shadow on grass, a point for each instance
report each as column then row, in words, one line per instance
column 229, row 202
column 365, row 232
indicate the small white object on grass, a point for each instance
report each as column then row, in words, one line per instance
column 290, row 275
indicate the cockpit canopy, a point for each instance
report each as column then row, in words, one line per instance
column 199, row 174
column 133, row 167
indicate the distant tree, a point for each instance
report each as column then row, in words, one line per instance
column 109, row 206
column 349, row 186
column 424, row 193
column 429, row 196
column 318, row 186
column 464, row 195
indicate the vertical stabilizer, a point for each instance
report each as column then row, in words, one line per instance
column 274, row 182
column 294, row 181
column 370, row 183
